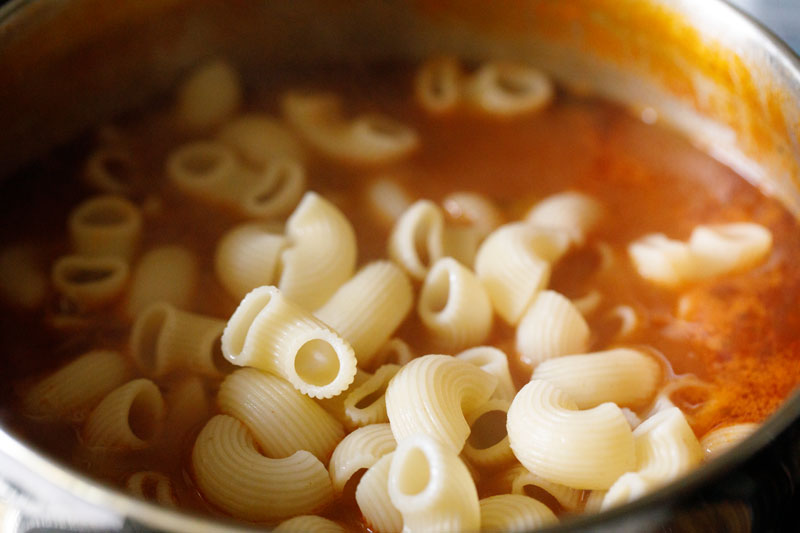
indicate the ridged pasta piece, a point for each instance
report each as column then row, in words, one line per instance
column 233, row 475
column 514, row 264
column 551, row 327
column 130, row 417
column 581, row 449
column 322, row 254
column 475, row 209
column 249, row 256
column 271, row 333
column 723, row 248
column 110, row 170
column 438, row 85
column 260, row 139
column 335, row 404
column 630, row 486
column 23, row 281
column 188, row 405
column 454, row 306
column 73, row 390
column 662, row 260
column 163, row 274
column 623, row 376
column 495, row 362
column 164, row 339
column 514, row 513
column 721, row 439
column 573, row 212
column 365, row 139
column 208, row 171
column 666, row 447
column 264, row 402
column 487, row 445
column 90, row 282
column 308, row 524
column 523, row 481
column 387, row 199
column 507, row 89
column 369, row 307
column 395, row 351
column 417, row 238
column 152, row 486
column 366, row 404
column 431, row 487
column 208, row 95
column 276, row 190
column 432, row 395
column 372, row 497
column 105, row 225
column 359, row 450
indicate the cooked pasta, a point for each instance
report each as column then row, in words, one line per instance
column 662, row 260
column 487, row 444
column 260, row 139
column 308, row 524
column 495, row 362
column 210, row 94
column 152, row 486
column 551, row 327
column 164, row 274
column 506, row 89
column 90, row 282
column 335, row 404
column 432, row 395
column 438, row 85
column 454, row 306
column 263, row 402
column 628, row 487
column 417, row 239
column 188, row 404
column 723, row 248
column 208, row 171
column 628, row 319
column 276, row 191
column 111, row 170
column 23, row 281
column 387, row 199
column 525, row 482
column 394, row 351
column 721, row 439
column 666, row 446
column 573, row 212
column 232, row 474
column 475, row 209
column 372, row 497
column 514, row 513
column 359, row 450
column 271, row 333
column 105, row 225
column 588, row 303
column 366, row 404
column 581, row 449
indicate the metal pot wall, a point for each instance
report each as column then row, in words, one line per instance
column 705, row 69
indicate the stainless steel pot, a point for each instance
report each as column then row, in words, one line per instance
column 701, row 66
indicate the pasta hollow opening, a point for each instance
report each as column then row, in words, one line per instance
column 218, row 358
column 488, row 430
column 539, row 494
column 415, row 472
column 149, row 335
column 439, row 294
column 317, row 363
column 372, row 397
column 82, row 275
column 421, row 234
column 143, row 416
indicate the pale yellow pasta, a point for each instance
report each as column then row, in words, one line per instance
column 90, row 282
column 269, row 332
column 581, row 449
column 723, row 248
column 525, row 482
column 438, row 85
column 276, row 190
column 232, row 474
column 110, row 170
column 662, row 260
column 514, row 513
column 432, row 395
column 394, row 351
column 487, row 445
column 322, row 253
column 630, row 486
column 372, row 496
column 366, row 404
column 633, row 419
column 666, row 447
column 164, row 339
column 623, row 376
column 507, row 89
column 359, row 450
column 588, row 303
column 663, row 399
column 260, row 139
column 431, row 487
column 208, row 171
column 73, row 390
column 461, row 242
column 335, row 404
column 23, row 280
column 628, row 319
column 308, row 524
column 152, row 486
column 130, row 417
column 417, row 238
column 105, row 225
column 387, row 200
column 721, row 439
column 264, row 402
column 164, row 274
column 208, row 95
column 495, row 362
column 248, row 256
column 369, row 307
column 453, row 306
column 551, row 327
column 364, row 139
column 188, row 404
column 573, row 212
column 594, row 501
column 474, row 209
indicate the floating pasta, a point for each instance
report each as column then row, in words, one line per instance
column 662, row 260
column 271, row 333
column 129, row 418
column 260, row 139
column 23, row 281
column 581, row 449
column 90, row 282
column 417, row 238
column 395, row 351
column 432, row 395
column 335, row 404
column 359, row 450
column 551, row 327
column 263, row 402
column 105, row 225
column 111, row 170
column 387, row 199
column 431, row 487
column 507, row 89
column 210, row 94
column 208, row 171
column 309, row 524
column 474, row 209
column 454, row 306
column 723, row 248
column 152, row 486
column 630, row 486
column 487, row 445
column 164, row 339
column 720, row 440
column 573, row 212
column 276, row 190
column 514, row 513
column 368, row 308
column 495, row 362
column 623, row 376
column 366, row 404
column 438, row 85
column 372, row 497
column 164, row 274
column 525, row 482
column 233, row 475
column 666, row 446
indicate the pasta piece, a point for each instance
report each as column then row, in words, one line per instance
column 387, row 199
column 437, row 85
column 372, row 496
column 111, row 170
column 666, row 447
column 164, row 339
column 366, row 139
column 208, row 171
column 72, row 391
column 210, row 94
column 487, row 444
column 723, row 248
column 260, row 139
column 129, row 418
column 594, row 501
column 366, row 404
column 188, row 405
column 432, row 488
column 474, row 209
column 495, row 362
column 394, row 351
column 309, row 524
column 233, row 475
column 623, row 376
column 528, row 483
column 90, row 282
column 573, row 212
column 514, row 513
column 248, row 256
column 513, row 263
column 276, row 191
column 417, row 239
column 105, row 225
column 335, row 404
column 152, row 486
column 269, row 332
column 553, row 439
column 551, row 327
column 684, row 383
column 507, row 89
column 661, row 260
column 720, row 440
column 23, row 281
column 432, row 395
column 589, row 302
column 322, row 255
column 164, row 274
column 264, row 402
column 630, row 486
column 454, row 306
column 628, row 319
column 360, row 449
column 367, row 309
